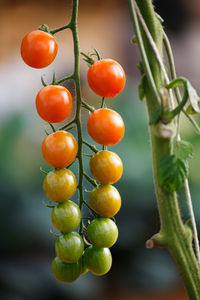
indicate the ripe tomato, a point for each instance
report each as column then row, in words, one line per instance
column 59, row 185
column 66, row 216
column 105, row 126
column 54, row 103
column 98, row 260
column 38, row 49
column 59, row 149
column 106, row 78
column 106, row 167
column 69, row 247
column 105, row 200
column 65, row 272
column 102, row 232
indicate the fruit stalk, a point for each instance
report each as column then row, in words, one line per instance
column 76, row 76
column 173, row 235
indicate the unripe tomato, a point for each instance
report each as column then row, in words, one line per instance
column 59, row 185
column 69, row 247
column 105, row 200
column 106, row 78
column 66, row 216
column 59, row 149
column 84, row 268
column 38, row 49
column 65, row 272
column 54, row 103
column 102, row 232
column 98, row 260
column 106, row 167
column 105, row 126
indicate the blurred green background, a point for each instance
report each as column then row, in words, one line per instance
column 26, row 245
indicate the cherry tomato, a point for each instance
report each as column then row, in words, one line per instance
column 54, row 103
column 59, row 149
column 59, row 185
column 106, row 78
column 106, row 167
column 102, row 232
column 105, row 126
column 65, row 272
column 84, row 268
column 69, row 247
column 38, row 49
column 98, row 260
column 66, row 216
column 105, row 200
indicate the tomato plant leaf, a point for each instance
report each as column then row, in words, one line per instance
column 183, row 150
column 193, row 97
column 172, row 172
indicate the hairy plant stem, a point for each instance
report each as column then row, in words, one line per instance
column 173, row 235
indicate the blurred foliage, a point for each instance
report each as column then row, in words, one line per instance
column 27, row 247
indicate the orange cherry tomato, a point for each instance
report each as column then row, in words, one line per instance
column 59, row 149
column 59, row 185
column 105, row 200
column 106, row 167
column 106, row 78
column 38, row 49
column 54, row 103
column 105, row 126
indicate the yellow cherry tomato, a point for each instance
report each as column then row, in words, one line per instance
column 106, row 167
column 105, row 200
column 60, row 185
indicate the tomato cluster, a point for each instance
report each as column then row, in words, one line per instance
column 76, row 253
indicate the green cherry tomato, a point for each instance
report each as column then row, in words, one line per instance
column 69, row 247
column 66, row 216
column 105, row 200
column 102, row 232
column 65, row 272
column 106, row 167
column 98, row 260
column 59, row 185
column 84, row 268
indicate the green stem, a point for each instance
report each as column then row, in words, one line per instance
column 60, row 28
column 173, row 235
column 74, row 28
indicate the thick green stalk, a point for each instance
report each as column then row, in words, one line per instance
column 173, row 235
column 74, row 27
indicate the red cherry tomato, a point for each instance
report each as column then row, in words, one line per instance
column 38, row 49
column 105, row 126
column 54, row 103
column 59, row 149
column 106, row 78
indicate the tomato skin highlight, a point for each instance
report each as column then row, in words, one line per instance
column 65, row 272
column 106, row 78
column 59, row 149
column 98, row 260
column 105, row 126
column 106, row 167
column 69, row 247
column 38, row 49
column 66, row 216
column 54, row 103
column 59, row 185
column 105, row 200
column 102, row 232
